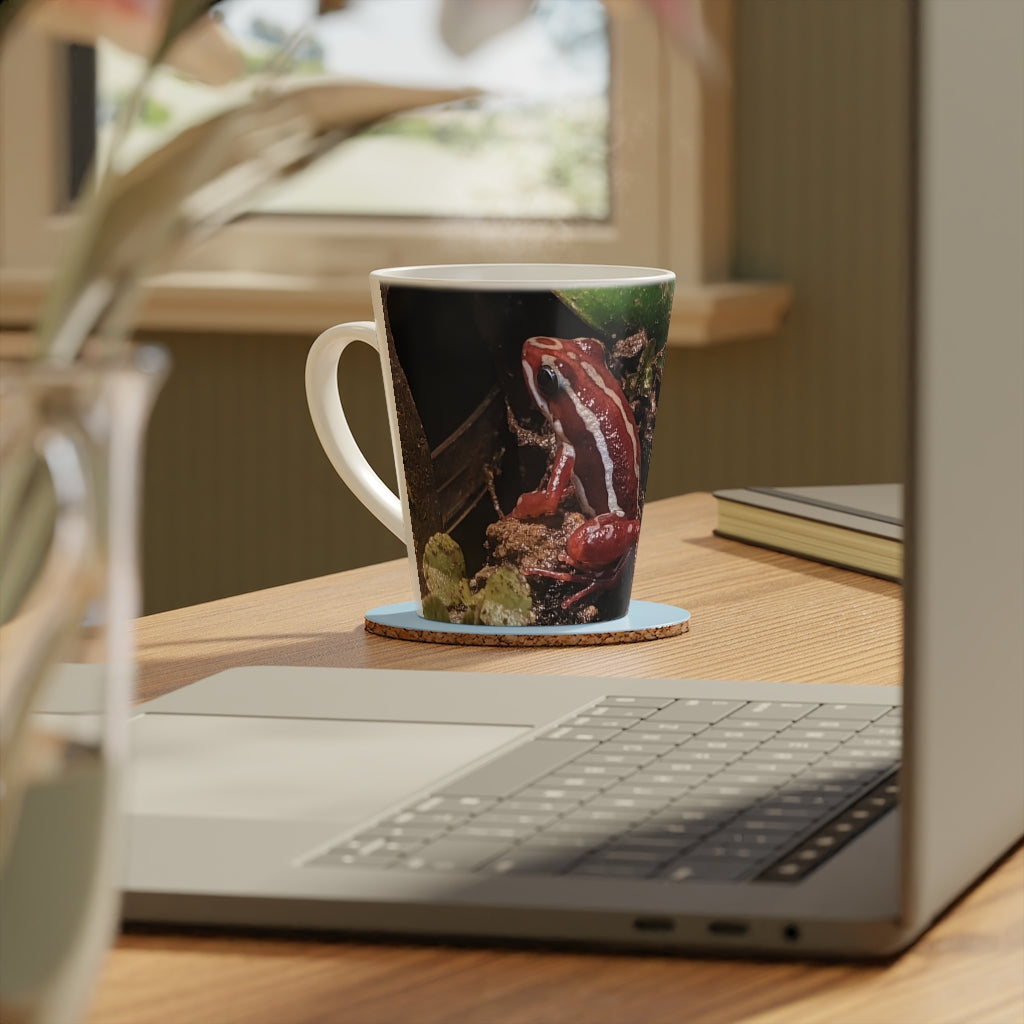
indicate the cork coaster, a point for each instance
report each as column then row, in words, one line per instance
column 644, row 621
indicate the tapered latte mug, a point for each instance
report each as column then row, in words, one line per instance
column 521, row 401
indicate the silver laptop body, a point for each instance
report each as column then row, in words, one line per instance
column 251, row 789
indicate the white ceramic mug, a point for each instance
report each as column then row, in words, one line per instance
column 521, row 400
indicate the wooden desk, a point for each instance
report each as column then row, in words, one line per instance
column 756, row 614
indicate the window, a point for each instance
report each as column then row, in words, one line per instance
column 666, row 203
column 534, row 145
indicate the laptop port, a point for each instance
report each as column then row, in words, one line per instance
column 654, row 924
column 731, row 928
column 791, row 933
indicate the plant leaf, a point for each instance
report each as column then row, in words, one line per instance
column 9, row 10
column 207, row 175
column 154, row 29
column 181, row 15
column 620, row 312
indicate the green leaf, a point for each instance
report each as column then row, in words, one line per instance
column 619, row 312
column 506, row 599
column 435, row 609
column 444, row 569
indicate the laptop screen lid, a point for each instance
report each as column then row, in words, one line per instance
column 964, row 700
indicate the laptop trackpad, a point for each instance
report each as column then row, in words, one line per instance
column 293, row 769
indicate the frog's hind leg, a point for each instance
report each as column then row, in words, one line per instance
column 595, row 582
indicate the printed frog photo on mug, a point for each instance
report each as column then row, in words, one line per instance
column 527, row 419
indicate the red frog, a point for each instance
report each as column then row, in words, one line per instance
column 597, row 457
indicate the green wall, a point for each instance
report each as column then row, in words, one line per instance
column 239, row 495
column 822, row 150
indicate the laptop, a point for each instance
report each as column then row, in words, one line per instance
column 695, row 815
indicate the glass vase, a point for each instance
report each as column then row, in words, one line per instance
column 71, row 453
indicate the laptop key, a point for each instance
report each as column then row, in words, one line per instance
column 619, row 711
column 755, row 840
column 764, row 782
column 551, row 794
column 669, row 845
column 852, row 774
column 612, row 869
column 678, row 772
column 410, row 833
column 712, row 849
column 531, row 805
column 812, row 794
column 779, row 812
column 516, row 769
column 866, row 712
column 696, row 711
column 779, row 770
column 820, row 746
column 738, row 720
column 622, row 862
column 857, row 751
column 508, row 818
column 458, row 804
column 455, row 855
column 754, row 821
column 597, row 831
column 737, row 795
column 510, row 833
column 710, row 742
column 890, row 732
column 368, row 852
column 684, row 753
column 612, row 817
column 639, row 702
column 611, row 801
column 644, row 791
column 377, row 859
column 802, row 732
column 768, row 752
column 426, row 819
column 681, row 834
column 649, row 749
column 580, row 842
column 723, row 731
column 694, row 819
column 664, row 732
column 603, row 768
column 777, row 710
column 688, row 870
column 534, row 859
column 591, row 734
column 607, row 721
column 583, row 785
column 845, row 725
column 604, row 757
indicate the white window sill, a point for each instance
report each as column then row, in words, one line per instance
column 280, row 304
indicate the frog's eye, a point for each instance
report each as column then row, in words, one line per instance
column 547, row 382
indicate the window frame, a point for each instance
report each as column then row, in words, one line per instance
column 671, row 205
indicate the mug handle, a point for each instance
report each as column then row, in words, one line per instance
column 332, row 427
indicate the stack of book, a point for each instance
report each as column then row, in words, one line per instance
column 856, row 527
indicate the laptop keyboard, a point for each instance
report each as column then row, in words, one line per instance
column 654, row 787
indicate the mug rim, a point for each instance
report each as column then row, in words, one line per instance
column 523, row 276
